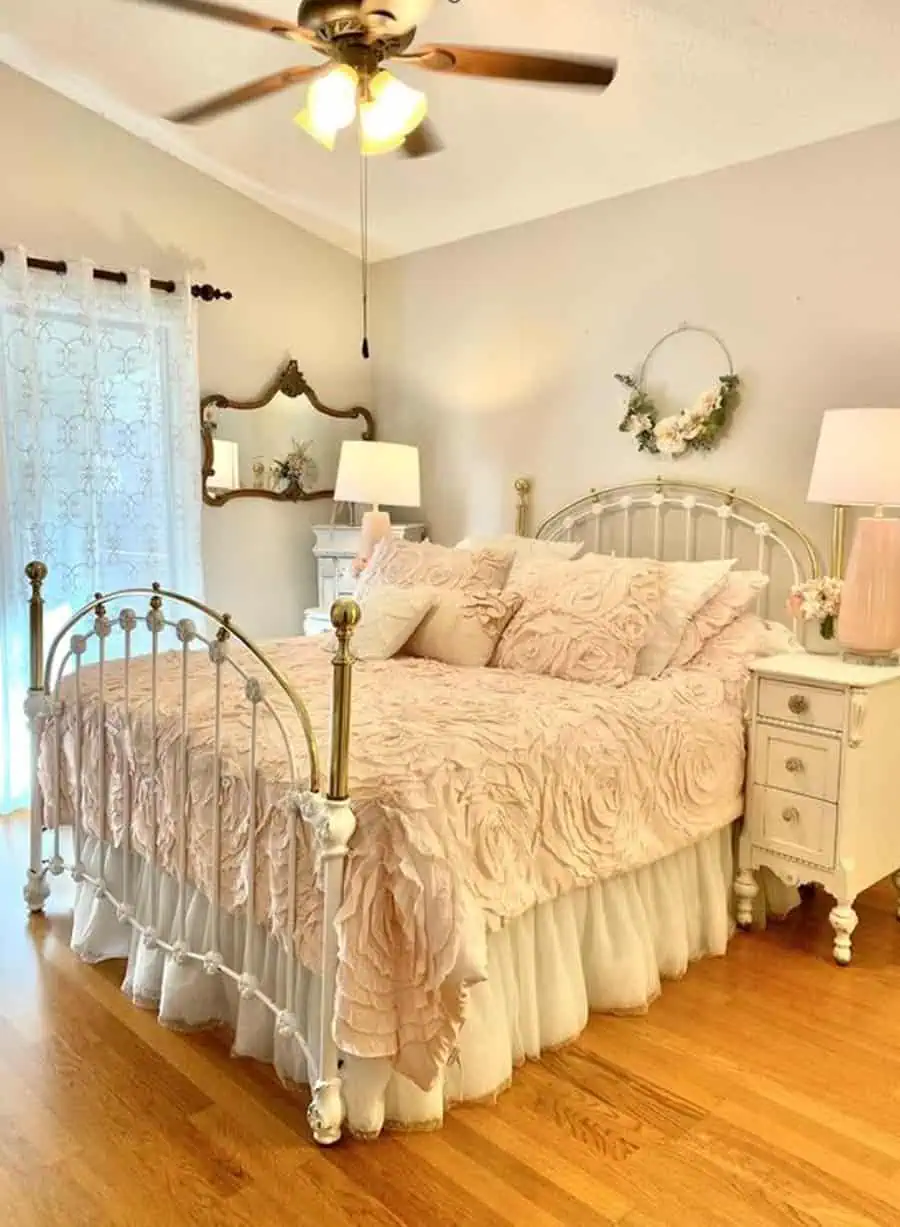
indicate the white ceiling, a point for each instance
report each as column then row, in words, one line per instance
column 702, row 84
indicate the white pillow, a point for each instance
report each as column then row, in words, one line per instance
column 389, row 617
column 687, row 586
column 527, row 547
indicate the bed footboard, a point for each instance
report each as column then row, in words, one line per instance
column 59, row 725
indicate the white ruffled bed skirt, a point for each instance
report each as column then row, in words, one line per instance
column 606, row 947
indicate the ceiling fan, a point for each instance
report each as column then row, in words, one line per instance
column 356, row 38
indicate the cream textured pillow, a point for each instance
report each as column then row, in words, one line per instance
column 415, row 564
column 389, row 617
column 584, row 620
column 463, row 627
column 686, row 588
column 740, row 590
column 523, row 547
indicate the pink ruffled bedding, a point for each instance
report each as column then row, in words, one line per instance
column 479, row 793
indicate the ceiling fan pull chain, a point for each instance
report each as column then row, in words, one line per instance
column 364, row 246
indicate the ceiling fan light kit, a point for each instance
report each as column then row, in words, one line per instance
column 388, row 110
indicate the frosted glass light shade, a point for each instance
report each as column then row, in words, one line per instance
column 330, row 105
column 225, row 466
column 857, row 460
column 390, row 113
column 378, row 473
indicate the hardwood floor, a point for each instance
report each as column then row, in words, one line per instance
column 762, row 1089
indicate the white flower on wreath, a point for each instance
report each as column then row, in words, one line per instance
column 693, row 422
column 669, row 436
column 638, row 423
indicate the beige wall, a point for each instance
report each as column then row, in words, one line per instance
column 497, row 354
column 75, row 185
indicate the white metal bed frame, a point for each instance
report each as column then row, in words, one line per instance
column 331, row 817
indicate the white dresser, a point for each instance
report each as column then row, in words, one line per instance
column 822, row 782
column 335, row 548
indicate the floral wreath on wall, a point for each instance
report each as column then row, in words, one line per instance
column 694, row 429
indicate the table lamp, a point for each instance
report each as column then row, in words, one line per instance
column 857, row 464
column 377, row 473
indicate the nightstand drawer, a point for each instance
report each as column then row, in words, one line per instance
column 797, row 762
column 801, row 827
column 801, row 703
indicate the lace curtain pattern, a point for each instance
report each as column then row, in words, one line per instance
column 99, row 457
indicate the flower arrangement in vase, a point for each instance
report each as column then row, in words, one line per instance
column 298, row 471
column 818, row 600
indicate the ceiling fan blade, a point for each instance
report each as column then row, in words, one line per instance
column 422, row 141
column 237, row 17
column 250, row 92
column 513, row 65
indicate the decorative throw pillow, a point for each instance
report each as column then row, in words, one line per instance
column 463, row 627
column 584, row 620
column 740, row 590
column 389, row 617
column 415, row 564
column 731, row 651
column 523, row 547
column 686, row 588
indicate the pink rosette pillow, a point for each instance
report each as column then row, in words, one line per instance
column 422, row 564
column 584, row 620
column 739, row 592
column 732, row 650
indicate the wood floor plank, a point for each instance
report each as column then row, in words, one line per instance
column 761, row 1090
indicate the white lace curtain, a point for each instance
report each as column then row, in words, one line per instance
column 99, row 457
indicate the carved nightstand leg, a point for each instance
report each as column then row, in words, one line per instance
column 843, row 920
column 745, row 891
column 895, row 878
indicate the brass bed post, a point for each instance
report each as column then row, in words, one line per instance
column 334, row 830
column 523, row 489
column 36, row 709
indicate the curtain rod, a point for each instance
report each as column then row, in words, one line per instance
column 208, row 293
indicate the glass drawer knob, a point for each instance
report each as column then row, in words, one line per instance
column 791, row 814
column 798, row 704
column 793, row 765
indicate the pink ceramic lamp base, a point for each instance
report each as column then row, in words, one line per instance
column 869, row 623
column 376, row 525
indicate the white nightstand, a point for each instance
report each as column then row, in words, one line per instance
column 335, row 548
column 823, row 774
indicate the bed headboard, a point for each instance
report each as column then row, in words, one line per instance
column 669, row 518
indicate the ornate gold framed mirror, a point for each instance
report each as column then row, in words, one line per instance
column 284, row 445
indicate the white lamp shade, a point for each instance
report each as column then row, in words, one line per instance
column 379, row 474
column 857, row 460
column 225, row 466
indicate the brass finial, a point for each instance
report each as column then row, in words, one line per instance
column 36, row 573
column 345, row 615
column 522, row 486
